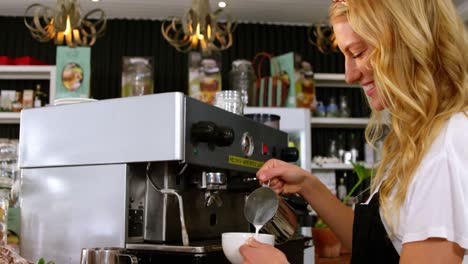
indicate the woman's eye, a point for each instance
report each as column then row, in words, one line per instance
column 358, row 54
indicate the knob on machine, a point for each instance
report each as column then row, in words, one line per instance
column 209, row 132
column 290, row 154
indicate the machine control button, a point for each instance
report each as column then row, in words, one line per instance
column 264, row 149
column 247, row 144
column 289, row 154
column 209, row 132
column 225, row 137
column 274, row 153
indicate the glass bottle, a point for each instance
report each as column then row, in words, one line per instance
column 242, row 79
column 39, row 96
column 332, row 108
column 137, row 76
column 321, row 110
column 342, row 189
column 210, row 81
column 353, row 148
column 332, row 149
column 344, row 109
column 341, row 147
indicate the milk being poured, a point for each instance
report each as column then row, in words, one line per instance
column 257, row 229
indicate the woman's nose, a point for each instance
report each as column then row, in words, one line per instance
column 352, row 73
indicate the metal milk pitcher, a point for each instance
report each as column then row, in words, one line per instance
column 284, row 224
column 106, row 256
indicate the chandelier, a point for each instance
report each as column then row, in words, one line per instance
column 322, row 36
column 199, row 29
column 64, row 24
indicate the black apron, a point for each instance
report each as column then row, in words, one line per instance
column 371, row 243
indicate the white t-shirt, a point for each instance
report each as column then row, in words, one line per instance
column 436, row 203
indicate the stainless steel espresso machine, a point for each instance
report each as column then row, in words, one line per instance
column 161, row 176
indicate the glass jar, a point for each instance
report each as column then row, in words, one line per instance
column 230, row 100
column 4, row 202
column 306, row 97
column 242, row 79
column 8, row 162
column 194, row 74
column 210, row 81
column 137, row 76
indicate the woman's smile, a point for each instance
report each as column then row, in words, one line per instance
column 369, row 88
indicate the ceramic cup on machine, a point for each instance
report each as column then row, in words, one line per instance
column 108, row 255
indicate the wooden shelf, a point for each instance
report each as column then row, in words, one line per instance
column 338, row 122
column 27, row 72
column 9, row 117
column 332, row 80
column 335, row 166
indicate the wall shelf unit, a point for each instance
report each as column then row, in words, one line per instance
column 26, row 72
column 327, row 172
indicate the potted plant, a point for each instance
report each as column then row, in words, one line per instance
column 326, row 244
column 363, row 174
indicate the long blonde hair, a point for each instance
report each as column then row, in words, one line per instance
column 420, row 64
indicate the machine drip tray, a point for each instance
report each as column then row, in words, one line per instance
column 196, row 247
column 203, row 252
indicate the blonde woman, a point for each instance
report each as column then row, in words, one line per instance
column 411, row 58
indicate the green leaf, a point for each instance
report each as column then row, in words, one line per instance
column 320, row 223
column 363, row 174
column 40, row 261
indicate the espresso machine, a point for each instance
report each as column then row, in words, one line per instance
column 161, row 176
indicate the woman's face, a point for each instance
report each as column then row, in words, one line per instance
column 357, row 66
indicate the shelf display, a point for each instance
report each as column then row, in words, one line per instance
column 28, row 72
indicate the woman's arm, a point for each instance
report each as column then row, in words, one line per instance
column 432, row 250
column 333, row 212
column 288, row 178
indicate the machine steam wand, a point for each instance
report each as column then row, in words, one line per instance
column 185, row 237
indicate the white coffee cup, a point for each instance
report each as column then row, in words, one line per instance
column 231, row 243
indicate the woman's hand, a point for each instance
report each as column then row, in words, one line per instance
column 256, row 252
column 284, row 177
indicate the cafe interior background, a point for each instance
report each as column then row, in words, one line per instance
column 134, row 29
